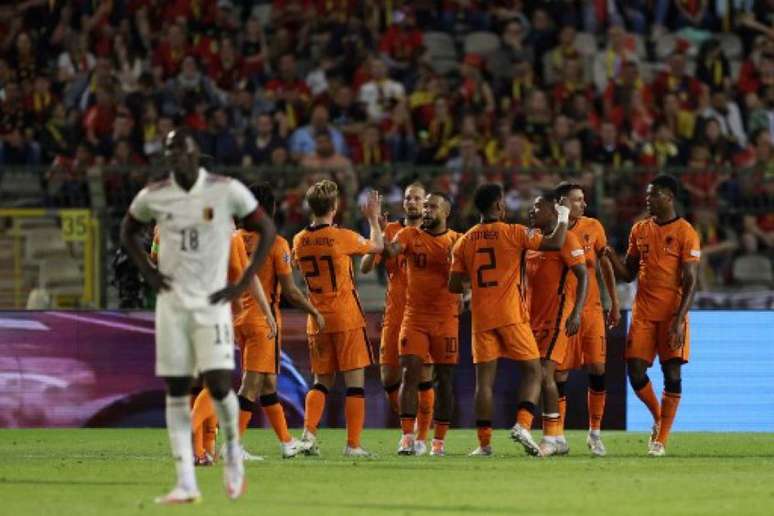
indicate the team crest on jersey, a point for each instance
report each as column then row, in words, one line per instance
column 209, row 213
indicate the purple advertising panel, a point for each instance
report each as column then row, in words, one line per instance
column 77, row 369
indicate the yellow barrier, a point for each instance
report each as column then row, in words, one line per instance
column 77, row 226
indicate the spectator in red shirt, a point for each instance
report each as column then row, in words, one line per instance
column 572, row 81
column 677, row 80
column 228, row 69
column 168, row 56
column 401, row 44
column 370, row 150
column 98, row 120
column 760, row 59
column 291, row 93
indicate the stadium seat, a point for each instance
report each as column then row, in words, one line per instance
column 20, row 188
column 55, row 273
column 482, row 43
column 753, row 270
column 44, row 243
column 731, row 45
column 443, row 66
column 439, row 45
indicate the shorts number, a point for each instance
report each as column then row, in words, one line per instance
column 492, row 263
column 315, row 272
column 451, row 345
column 189, row 239
column 222, row 334
column 420, row 260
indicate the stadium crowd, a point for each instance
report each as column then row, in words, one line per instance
column 369, row 92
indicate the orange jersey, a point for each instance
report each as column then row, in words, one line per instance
column 277, row 264
column 428, row 260
column 491, row 255
column 592, row 237
column 661, row 249
column 395, row 298
column 323, row 254
column 551, row 283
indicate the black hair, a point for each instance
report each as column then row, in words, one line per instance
column 549, row 196
column 262, row 191
column 564, row 188
column 486, row 196
column 666, row 182
column 442, row 195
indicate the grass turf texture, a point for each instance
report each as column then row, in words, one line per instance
column 118, row 472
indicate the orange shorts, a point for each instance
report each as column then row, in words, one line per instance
column 588, row 346
column 340, row 351
column 260, row 354
column 388, row 347
column 647, row 338
column 436, row 339
column 514, row 341
column 552, row 339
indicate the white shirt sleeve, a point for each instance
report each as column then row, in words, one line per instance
column 140, row 208
column 241, row 201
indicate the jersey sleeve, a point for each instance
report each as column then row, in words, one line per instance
column 632, row 249
column 282, row 257
column 458, row 257
column 237, row 259
column 572, row 251
column 351, row 243
column 241, row 201
column 600, row 242
column 404, row 237
column 140, row 208
column 526, row 239
column 691, row 248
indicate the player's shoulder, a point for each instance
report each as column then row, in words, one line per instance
column 158, row 186
column 643, row 224
column 684, row 226
column 280, row 242
column 591, row 224
column 219, row 179
column 571, row 241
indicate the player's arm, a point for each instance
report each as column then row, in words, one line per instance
column 259, row 223
column 256, row 290
column 457, row 282
column 608, row 280
column 689, row 272
column 625, row 270
column 555, row 240
column 574, row 320
column 131, row 233
column 294, row 295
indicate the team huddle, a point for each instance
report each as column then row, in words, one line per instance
column 541, row 295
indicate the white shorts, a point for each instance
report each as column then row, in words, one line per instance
column 189, row 342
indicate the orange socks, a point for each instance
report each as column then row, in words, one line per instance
column 354, row 411
column 246, row 408
column 425, row 415
column 272, row 409
column 669, row 403
column 648, row 397
column 202, row 411
column 441, row 427
column 552, row 425
column 484, row 430
column 525, row 415
column 315, row 404
column 393, row 392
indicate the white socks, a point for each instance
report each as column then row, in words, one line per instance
column 178, row 414
column 227, row 411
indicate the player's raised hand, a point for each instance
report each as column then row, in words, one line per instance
column 373, row 205
column 158, row 282
column 562, row 210
column 573, row 324
column 676, row 334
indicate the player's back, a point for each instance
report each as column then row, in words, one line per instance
column 427, row 273
column 551, row 283
column 492, row 255
column 662, row 249
column 591, row 235
column 195, row 229
column 324, row 256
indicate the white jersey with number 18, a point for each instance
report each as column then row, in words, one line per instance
column 195, row 232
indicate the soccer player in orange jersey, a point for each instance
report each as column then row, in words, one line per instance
column 557, row 291
column 395, row 301
column 490, row 257
column 323, row 253
column 587, row 347
column 431, row 319
column 663, row 256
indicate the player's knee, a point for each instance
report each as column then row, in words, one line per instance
column 597, row 382
column 596, row 369
column 637, row 378
column 561, row 389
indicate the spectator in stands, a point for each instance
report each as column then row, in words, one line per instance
column 720, row 148
column 380, row 94
column 326, row 160
column 346, row 114
column 662, row 151
column 609, row 151
column 512, row 35
column 189, row 82
column 76, row 60
column 712, row 66
column 303, row 140
column 571, row 80
column 401, row 45
column 291, row 94
column 718, row 244
column 467, row 161
column 219, row 141
column 758, row 69
column 261, row 142
column 371, row 149
column 681, row 121
column 676, row 79
column 726, row 112
column 609, row 63
column 475, row 93
column 399, row 134
column 169, row 54
column 751, row 268
column 554, row 60
column 760, row 112
column 66, row 182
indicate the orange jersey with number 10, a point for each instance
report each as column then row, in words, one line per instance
column 428, row 262
column 323, row 254
column 492, row 255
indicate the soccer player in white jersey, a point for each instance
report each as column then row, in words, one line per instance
column 194, row 211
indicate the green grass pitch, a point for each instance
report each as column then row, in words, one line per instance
column 117, row 472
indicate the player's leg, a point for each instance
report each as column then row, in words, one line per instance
column 531, row 374
column 561, row 378
column 201, row 414
column 322, row 358
column 252, row 384
column 485, row 378
column 411, row 376
column 272, row 409
column 444, row 405
column 553, row 442
column 669, row 401
column 597, row 396
column 390, row 364
column 640, row 352
column 354, row 411
column 426, row 401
